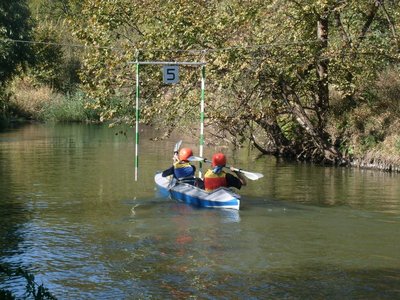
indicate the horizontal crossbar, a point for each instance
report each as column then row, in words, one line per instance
column 187, row 63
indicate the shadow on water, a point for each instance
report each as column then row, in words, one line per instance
column 12, row 219
column 13, row 214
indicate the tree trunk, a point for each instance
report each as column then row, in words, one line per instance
column 275, row 134
column 322, row 93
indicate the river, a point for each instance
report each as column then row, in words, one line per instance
column 72, row 214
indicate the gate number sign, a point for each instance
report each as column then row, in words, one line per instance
column 171, row 74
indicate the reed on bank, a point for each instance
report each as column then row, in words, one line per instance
column 42, row 103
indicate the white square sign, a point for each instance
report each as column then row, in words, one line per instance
column 171, row 74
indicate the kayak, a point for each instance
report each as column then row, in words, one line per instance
column 184, row 192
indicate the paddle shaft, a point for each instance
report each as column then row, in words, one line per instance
column 177, row 146
column 250, row 175
column 226, row 166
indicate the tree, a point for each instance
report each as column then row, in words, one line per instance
column 56, row 63
column 15, row 26
column 271, row 65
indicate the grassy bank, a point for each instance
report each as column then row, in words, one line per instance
column 42, row 103
column 370, row 130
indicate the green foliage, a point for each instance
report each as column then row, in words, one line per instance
column 51, row 10
column 15, row 24
column 49, row 63
column 266, row 61
column 33, row 100
column 48, row 55
column 4, row 97
column 373, row 124
column 289, row 127
column 368, row 142
column 69, row 108
column 397, row 145
column 56, row 62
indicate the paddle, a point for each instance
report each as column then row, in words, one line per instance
column 176, row 151
column 249, row 175
column 177, row 146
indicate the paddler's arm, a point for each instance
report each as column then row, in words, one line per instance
column 240, row 176
column 233, row 181
column 168, row 172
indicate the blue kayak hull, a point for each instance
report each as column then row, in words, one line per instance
column 220, row 198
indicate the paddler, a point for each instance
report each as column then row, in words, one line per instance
column 216, row 177
column 181, row 169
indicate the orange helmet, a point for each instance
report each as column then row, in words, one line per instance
column 185, row 153
column 218, row 159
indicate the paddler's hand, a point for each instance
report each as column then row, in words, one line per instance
column 239, row 175
column 175, row 158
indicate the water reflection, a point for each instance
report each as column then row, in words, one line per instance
column 326, row 186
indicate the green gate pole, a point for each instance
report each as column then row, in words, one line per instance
column 203, row 79
column 137, row 120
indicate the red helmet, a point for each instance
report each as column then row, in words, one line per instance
column 218, row 159
column 185, row 153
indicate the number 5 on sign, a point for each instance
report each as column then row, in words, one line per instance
column 171, row 74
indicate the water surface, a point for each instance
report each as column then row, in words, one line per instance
column 72, row 214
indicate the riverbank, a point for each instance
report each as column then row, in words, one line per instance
column 42, row 103
column 366, row 135
column 376, row 161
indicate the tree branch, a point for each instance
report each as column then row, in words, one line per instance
column 391, row 24
column 370, row 17
column 345, row 36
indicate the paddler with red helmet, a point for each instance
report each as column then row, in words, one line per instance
column 216, row 177
column 182, row 169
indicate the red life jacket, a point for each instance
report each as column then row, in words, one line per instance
column 213, row 181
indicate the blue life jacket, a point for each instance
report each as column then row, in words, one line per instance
column 183, row 170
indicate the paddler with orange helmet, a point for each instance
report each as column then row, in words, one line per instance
column 216, row 177
column 182, row 169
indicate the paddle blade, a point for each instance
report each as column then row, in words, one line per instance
column 196, row 158
column 252, row 175
column 177, row 146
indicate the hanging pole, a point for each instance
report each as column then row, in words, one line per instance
column 203, row 79
column 137, row 119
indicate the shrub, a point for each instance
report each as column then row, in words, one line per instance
column 387, row 89
column 29, row 99
column 39, row 102
column 69, row 108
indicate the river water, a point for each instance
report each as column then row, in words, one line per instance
column 72, row 214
